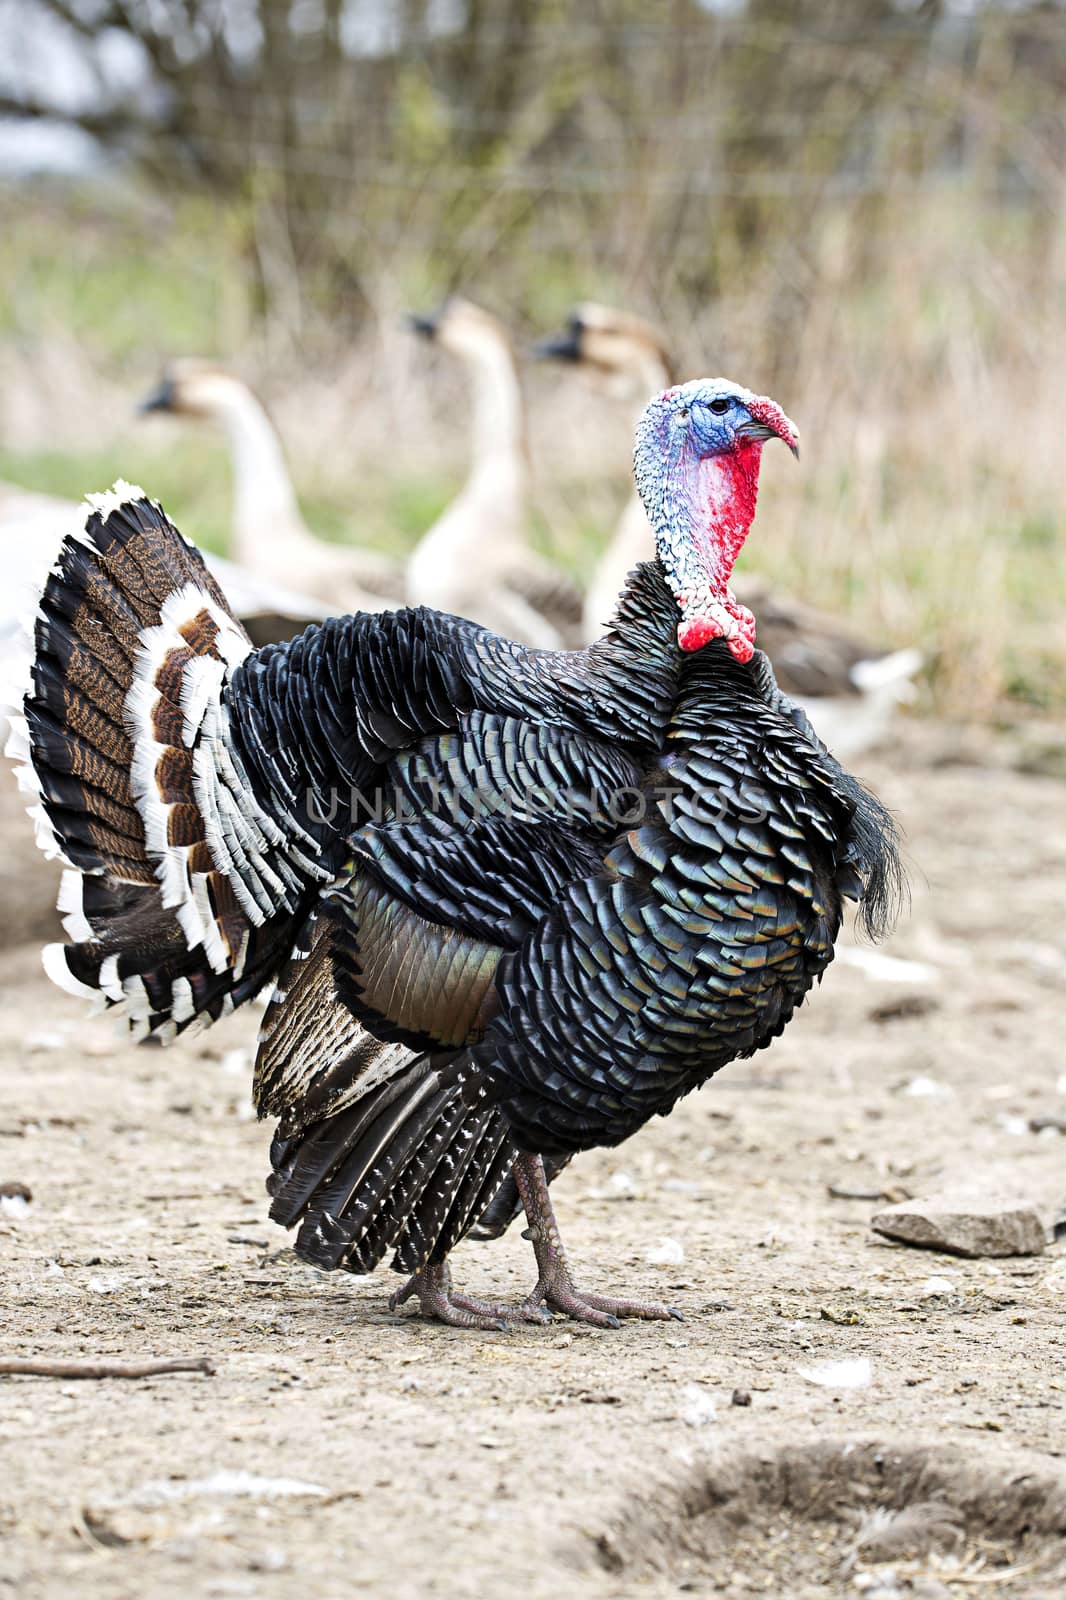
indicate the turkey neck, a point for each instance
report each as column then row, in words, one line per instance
column 265, row 511
column 701, row 511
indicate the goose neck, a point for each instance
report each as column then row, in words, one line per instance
column 498, row 437
column 264, row 502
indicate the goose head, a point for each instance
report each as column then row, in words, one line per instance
column 194, row 388
column 621, row 354
column 463, row 329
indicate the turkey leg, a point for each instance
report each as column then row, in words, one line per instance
column 555, row 1289
column 555, row 1285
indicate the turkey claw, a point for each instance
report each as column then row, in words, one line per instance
column 525, row 1311
column 432, row 1287
column 604, row 1311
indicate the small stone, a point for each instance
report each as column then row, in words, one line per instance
column 849, row 1374
column 667, row 1253
column 924, row 1088
column 106, row 1283
column 39, row 1043
column 905, row 1007
column 964, row 1226
column 698, row 1408
column 841, row 1316
column 269, row 1560
column 741, row 1397
column 925, row 1588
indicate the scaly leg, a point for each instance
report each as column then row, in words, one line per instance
column 555, row 1285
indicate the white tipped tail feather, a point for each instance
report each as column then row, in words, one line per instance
column 106, row 501
column 179, row 886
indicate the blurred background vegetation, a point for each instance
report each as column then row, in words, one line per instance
column 856, row 205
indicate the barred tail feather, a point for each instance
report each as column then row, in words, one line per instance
column 379, row 1146
column 177, row 898
column 407, row 1168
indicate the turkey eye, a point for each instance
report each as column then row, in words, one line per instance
column 720, row 407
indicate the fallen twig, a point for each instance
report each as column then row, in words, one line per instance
column 30, row 1367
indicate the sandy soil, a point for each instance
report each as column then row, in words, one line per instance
column 339, row 1447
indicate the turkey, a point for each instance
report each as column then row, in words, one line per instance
column 512, row 903
column 849, row 687
column 476, row 559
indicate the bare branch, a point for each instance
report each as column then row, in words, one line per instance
column 107, row 124
column 29, row 1367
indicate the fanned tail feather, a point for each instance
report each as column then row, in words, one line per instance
column 178, row 903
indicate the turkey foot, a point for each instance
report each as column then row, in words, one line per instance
column 555, row 1285
column 432, row 1287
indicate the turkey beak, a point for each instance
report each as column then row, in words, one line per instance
column 766, row 420
column 424, row 324
column 760, row 430
column 163, row 398
column 561, row 346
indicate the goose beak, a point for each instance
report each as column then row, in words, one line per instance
column 163, row 398
column 425, row 324
column 560, row 346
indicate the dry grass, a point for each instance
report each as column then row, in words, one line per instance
column 928, row 505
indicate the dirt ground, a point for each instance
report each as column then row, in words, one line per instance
column 340, row 1448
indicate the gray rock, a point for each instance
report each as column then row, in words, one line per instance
column 964, row 1226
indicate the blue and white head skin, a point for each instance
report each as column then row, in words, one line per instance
column 696, row 464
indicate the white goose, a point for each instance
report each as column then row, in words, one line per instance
column 476, row 560
column 849, row 687
column 271, row 541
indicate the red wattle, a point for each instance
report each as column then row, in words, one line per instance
column 696, row 632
